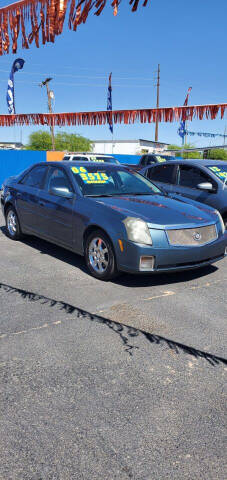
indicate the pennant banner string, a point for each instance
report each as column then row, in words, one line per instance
column 147, row 115
column 43, row 20
column 206, row 134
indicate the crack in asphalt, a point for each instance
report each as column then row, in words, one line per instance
column 125, row 332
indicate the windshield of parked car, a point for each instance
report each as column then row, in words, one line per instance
column 102, row 159
column 106, row 181
column 220, row 171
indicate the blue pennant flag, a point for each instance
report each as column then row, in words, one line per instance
column 17, row 65
column 109, row 104
column 181, row 130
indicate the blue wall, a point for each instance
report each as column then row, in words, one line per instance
column 133, row 159
column 13, row 162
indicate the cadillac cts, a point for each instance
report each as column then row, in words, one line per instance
column 115, row 217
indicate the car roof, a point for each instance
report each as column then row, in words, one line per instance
column 87, row 153
column 80, row 164
column 194, row 161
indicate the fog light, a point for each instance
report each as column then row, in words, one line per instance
column 147, row 263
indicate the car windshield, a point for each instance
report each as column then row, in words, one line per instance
column 103, row 159
column 109, row 181
column 220, row 171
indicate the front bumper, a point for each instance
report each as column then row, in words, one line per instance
column 171, row 258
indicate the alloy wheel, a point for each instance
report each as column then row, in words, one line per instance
column 98, row 255
column 12, row 223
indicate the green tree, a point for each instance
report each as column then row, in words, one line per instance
column 194, row 154
column 217, row 154
column 39, row 141
column 63, row 142
column 72, row 142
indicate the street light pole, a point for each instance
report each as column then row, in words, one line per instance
column 49, row 97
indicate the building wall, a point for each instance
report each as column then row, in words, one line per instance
column 116, row 148
column 131, row 159
column 128, row 148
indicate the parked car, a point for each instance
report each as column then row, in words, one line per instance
column 90, row 157
column 149, row 159
column 117, row 219
column 202, row 180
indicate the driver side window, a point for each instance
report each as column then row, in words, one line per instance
column 191, row 176
column 57, row 178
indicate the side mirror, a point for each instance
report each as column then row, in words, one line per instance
column 207, row 186
column 61, row 192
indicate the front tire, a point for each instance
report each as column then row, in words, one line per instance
column 12, row 224
column 225, row 222
column 100, row 257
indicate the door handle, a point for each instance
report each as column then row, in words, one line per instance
column 42, row 204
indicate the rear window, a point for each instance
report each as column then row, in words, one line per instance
column 34, row 177
column 67, row 157
column 77, row 158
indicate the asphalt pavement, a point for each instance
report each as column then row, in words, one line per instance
column 118, row 380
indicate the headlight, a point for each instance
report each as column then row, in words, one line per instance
column 137, row 230
column 221, row 221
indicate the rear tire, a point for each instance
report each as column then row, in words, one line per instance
column 12, row 224
column 100, row 257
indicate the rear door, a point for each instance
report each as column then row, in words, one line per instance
column 56, row 212
column 163, row 175
column 27, row 197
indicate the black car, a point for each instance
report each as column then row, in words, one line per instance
column 149, row 159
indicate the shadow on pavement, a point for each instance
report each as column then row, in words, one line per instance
column 126, row 280
column 125, row 332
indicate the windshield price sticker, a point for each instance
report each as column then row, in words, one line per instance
column 215, row 169
column 218, row 172
column 79, row 170
column 95, row 159
column 87, row 177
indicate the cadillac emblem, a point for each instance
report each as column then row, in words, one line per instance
column 197, row 236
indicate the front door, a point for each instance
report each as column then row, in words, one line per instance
column 55, row 211
column 188, row 179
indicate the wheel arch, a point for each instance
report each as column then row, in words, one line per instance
column 8, row 204
column 224, row 216
column 93, row 228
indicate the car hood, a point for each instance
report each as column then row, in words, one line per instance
column 159, row 210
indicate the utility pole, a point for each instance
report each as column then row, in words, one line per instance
column 157, row 103
column 185, row 137
column 50, row 96
column 224, row 135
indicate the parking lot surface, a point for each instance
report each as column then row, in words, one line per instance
column 118, row 380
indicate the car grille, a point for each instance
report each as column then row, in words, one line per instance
column 192, row 236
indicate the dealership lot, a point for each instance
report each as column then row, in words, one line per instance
column 84, row 395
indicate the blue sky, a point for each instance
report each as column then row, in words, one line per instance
column 188, row 39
